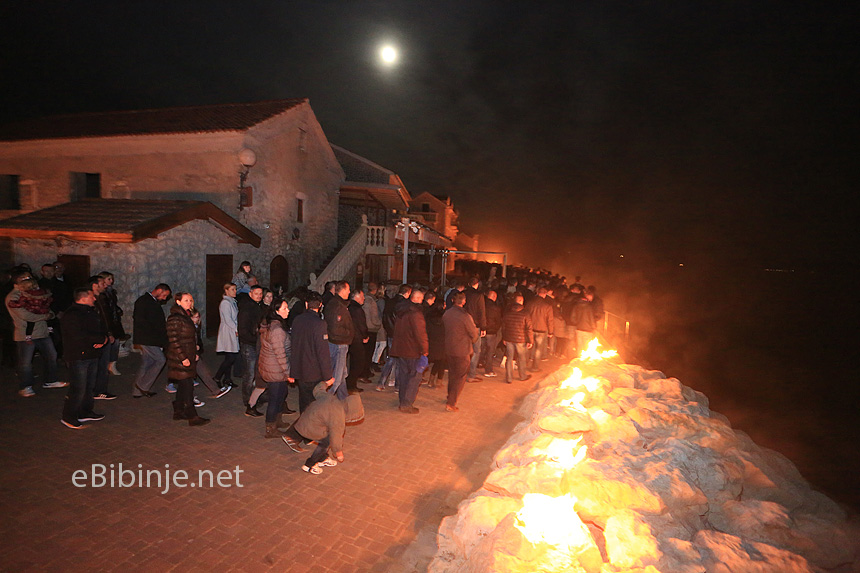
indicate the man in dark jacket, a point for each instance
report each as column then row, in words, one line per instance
column 357, row 352
column 494, row 324
column 583, row 320
column 539, row 309
column 410, row 344
column 460, row 336
column 310, row 361
column 97, row 285
column 597, row 306
column 86, row 337
column 476, row 308
column 150, row 334
column 389, row 317
column 518, row 337
column 248, row 321
column 340, row 334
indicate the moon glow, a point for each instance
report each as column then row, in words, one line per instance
column 388, row 55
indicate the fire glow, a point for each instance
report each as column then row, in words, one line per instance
column 591, row 354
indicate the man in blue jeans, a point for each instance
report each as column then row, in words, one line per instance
column 250, row 313
column 85, row 336
column 410, row 343
column 150, row 335
column 340, row 334
column 31, row 334
column 518, row 337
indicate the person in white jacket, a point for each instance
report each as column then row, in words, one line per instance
column 228, row 335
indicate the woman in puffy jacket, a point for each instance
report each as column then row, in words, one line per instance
column 228, row 335
column 181, row 354
column 274, row 363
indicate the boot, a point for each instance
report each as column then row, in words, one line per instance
column 251, row 412
column 272, row 430
column 432, row 382
column 198, row 421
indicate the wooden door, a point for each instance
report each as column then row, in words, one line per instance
column 279, row 274
column 219, row 270
column 77, row 270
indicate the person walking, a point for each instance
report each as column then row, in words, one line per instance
column 583, row 320
column 150, row 335
column 248, row 321
column 360, row 337
column 433, row 310
column 409, row 349
column 274, row 363
column 86, row 337
column 181, row 354
column 203, row 372
column 460, row 336
column 96, row 283
column 340, row 334
column 110, row 301
column 310, row 362
column 389, row 318
column 539, row 310
column 476, row 308
column 228, row 335
column 491, row 340
column 518, row 338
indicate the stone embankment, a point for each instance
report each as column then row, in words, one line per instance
column 618, row 468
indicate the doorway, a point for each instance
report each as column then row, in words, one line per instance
column 279, row 274
column 77, row 270
column 219, row 270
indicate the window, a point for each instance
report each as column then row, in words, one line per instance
column 85, row 186
column 425, row 207
column 10, row 198
column 300, row 211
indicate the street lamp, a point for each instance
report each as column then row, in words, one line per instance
column 248, row 159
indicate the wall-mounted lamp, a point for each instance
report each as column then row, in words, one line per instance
column 248, row 159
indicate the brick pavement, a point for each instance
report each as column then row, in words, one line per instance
column 378, row 511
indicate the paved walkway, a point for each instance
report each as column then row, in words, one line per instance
column 378, row 511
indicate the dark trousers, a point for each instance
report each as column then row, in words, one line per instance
column 249, row 357
column 102, row 374
column 306, row 393
column 319, row 453
column 184, row 401
column 277, row 395
column 223, row 373
column 439, row 367
column 408, row 380
column 369, row 347
column 458, row 369
column 79, row 400
column 357, row 365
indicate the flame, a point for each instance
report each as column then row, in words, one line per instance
column 575, row 380
column 591, row 353
column 552, row 520
column 575, row 402
column 560, row 451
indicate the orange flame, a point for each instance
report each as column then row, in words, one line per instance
column 591, row 354
column 552, row 520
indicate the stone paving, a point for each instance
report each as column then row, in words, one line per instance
column 378, row 511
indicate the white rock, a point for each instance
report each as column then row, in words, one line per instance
column 630, row 542
column 722, row 552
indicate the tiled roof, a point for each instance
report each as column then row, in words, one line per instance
column 359, row 169
column 192, row 119
column 119, row 220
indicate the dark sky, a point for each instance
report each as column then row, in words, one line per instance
column 687, row 132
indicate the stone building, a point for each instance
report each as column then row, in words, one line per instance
column 193, row 191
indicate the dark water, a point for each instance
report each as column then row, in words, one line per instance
column 778, row 353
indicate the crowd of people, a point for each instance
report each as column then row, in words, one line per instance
column 324, row 345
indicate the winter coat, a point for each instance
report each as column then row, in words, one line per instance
column 338, row 321
column 410, row 332
column 81, row 328
column 325, row 416
column 435, row 331
column 359, row 322
column 494, row 316
column 382, row 334
column 21, row 316
column 310, row 360
column 228, row 338
column 461, row 333
column 389, row 314
column 597, row 309
column 541, row 314
column 475, row 307
column 373, row 318
column 583, row 316
column 112, row 302
column 62, row 294
column 517, row 326
column 149, row 325
column 274, row 360
column 248, row 321
column 181, row 344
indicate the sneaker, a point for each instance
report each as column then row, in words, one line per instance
column 112, row 369
column 252, row 412
column 73, row 424
column 171, row 388
column 198, row 402
column 315, row 470
column 221, row 392
column 196, row 383
column 91, row 417
column 55, row 385
column 105, row 396
column 490, row 375
column 327, row 463
column 449, row 408
column 380, row 388
column 294, row 445
column 26, row 392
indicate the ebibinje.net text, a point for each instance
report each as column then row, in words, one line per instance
column 163, row 479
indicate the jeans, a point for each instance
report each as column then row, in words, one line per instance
column 151, row 362
column 114, row 350
column 387, row 371
column 249, row 357
column 103, row 374
column 378, row 350
column 522, row 357
column 582, row 339
column 320, row 452
column 458, row 367
column 25, row 361
column 277, row 395
column 538, row 350
column 408, row 380
column 338, row 354
column 488, row 351
column 476, row 356
column 79, row 400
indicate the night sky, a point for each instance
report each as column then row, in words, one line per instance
column 688, row 132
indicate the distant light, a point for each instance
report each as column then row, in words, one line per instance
column 622, row 256
column 388, row 54
column 680, row 264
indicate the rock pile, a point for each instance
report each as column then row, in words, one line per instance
column 618, row 468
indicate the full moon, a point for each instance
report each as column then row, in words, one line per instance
column 388, row 55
